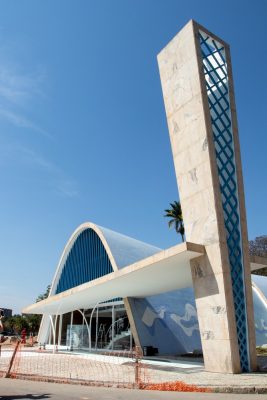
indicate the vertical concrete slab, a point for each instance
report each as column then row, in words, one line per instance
column 131, row 319
column 228, row 340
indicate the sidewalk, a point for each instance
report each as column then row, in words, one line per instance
column 192, row 372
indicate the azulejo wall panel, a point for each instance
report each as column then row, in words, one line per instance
column 167, row 321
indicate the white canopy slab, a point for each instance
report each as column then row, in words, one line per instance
column 164, row 271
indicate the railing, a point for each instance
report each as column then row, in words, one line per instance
column 114, row 330
column 123, row 369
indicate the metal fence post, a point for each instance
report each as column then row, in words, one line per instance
column 7, row 375
column 137, row 366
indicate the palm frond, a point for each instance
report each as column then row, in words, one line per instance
column 171, row 222
column 175, row 213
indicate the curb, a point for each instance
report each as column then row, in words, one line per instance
column 239, row 389
column 213, row 389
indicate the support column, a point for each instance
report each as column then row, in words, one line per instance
column 50, row 331
column 71, row 323
column 112, row 327
column 134, row 331
column 59, row 330
column 197, row 85
column 96, row 329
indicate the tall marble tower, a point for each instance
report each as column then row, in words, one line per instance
column 197, row 84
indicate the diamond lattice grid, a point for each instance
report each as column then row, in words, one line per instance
column 215, row 70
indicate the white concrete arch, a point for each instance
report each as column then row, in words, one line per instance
column 121, row 250
column 70, row 244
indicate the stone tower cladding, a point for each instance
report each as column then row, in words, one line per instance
column 191, row 135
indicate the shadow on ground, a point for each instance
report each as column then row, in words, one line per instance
column 26, row 396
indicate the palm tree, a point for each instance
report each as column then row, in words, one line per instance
column 176, row 215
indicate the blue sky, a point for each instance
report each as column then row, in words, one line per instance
column 83, row 133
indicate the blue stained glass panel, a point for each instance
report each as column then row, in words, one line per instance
column 86, row 261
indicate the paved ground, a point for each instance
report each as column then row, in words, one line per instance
column 121, row 371
column 12, row 389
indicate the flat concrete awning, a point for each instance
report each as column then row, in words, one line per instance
column 164, row 271
column 257, row 262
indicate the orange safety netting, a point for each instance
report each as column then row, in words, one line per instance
column 177, row 386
